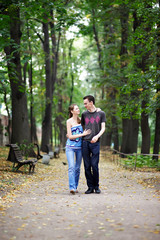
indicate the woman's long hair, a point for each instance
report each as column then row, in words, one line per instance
column 71, row 107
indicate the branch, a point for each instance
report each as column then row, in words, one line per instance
column 39, row 36
column 36, row 19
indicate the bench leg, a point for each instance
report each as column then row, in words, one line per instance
column 31, row 167
column 18, row 166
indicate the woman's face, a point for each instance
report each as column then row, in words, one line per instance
column 76, row 110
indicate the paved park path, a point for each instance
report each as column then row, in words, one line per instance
column 42, row 207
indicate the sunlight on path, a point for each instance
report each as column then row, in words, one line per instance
column 44, row 209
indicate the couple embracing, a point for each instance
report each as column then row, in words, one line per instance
column 83, row 141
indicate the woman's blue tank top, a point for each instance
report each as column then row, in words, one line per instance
column 75, row 143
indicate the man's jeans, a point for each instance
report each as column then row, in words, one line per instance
column 90, row 153
column 74, row 158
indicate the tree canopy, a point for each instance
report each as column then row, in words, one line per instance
column 55, row 52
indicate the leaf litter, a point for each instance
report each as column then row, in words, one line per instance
column 49, row 183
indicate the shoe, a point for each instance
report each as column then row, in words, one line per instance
column 76, row 191
column 72, row 191
column 90, row 190
column 97, row 190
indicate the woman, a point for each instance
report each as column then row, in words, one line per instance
column 73, row 146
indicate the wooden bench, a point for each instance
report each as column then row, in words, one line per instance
column 37, row 155
column 15, row 156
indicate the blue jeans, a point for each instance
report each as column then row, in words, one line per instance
column 74, row 158
column 90, row 152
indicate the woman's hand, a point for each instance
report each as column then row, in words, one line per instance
column 86, row 132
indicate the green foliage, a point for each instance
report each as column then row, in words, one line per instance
column 82, row 67
column 25, row 147
column 141, row 161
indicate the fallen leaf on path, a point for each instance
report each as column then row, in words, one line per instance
column 136, row 226
column 119, row 229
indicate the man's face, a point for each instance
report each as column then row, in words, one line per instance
column 88, row 104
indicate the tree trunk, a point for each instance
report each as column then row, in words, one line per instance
column 97, row 41
column 46, row 125
column 60, row 123
column 115, row 133
column 30, row 74
column 125, row 134
column 145, row 130
column 126, row 122
column 20, row 124
column 124, row 15
column 31, row 97
column 112, row 98
column 157, row 135
column 108, row 138
column 130, row 135
column 54, row 59
column 34, row 134
column 72, row 76
column 55, row 51
column 142, row 63
column 157, row 125
column 133, row 138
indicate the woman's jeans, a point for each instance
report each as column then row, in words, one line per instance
column 90, row 152
column 74, row 158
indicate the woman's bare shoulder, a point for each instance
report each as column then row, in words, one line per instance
column 69, row 120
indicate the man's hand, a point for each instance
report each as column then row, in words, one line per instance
column 94, row 139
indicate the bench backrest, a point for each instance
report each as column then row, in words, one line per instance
column 15, row 154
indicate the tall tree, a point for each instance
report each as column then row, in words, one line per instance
column 142, row 25
column 127, row 131
column 20, row 123
column 157, row 125
column 100, row 23
column 46, row 125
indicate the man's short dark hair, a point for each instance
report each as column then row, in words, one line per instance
column 90, row 98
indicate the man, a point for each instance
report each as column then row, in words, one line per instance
column 94, row 120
